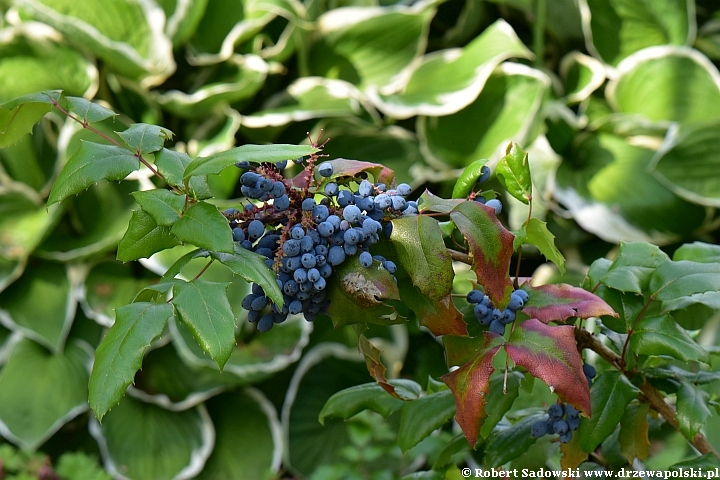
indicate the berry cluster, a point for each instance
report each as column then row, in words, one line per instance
column 488, row 315
column 305, row 232
column 563, row 419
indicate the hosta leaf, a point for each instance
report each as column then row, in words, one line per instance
column 490, row 246
column 535, row 232
column 661, row 335
column 88, row 111
column 558, row 302
column 550, row 354
column 513, row 171
column 31, row 376
column 673, row 280
column 468, row 178
column 646, row 83
column 143, row 138
column 440, row 316
column 162, row 205
column 692, row 409
column 23, row 224
column 251, row 267
column 144, row 237
column 343, row 167
column 470, row 384
column 423, row 416
column 143, row 441
column 120, row 353
column 421, row 250
column 204, row 226
column 611, row 393
column 448, row 80
column 90, row 164
column 251, row 153
column 613, row 30
column 633, row 437
column 203, row 307
column 582, row 75
column 351, row 401
column 634, row 265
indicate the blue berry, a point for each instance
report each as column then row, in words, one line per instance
column 555, row 412
column 325, row 169
column 281, row 165
column 484, row 175
column 589, row 370
column 291, row 247
column 560, row 427
column 365, row 188
column 331, row 189
column 278, row 190
column 300, row 276
column 320, row 213
column 474, row 296
column 336, row 256
column 389, row 266
column 238, row 234
column 297, row 232
column 404, row 189
column 308, row 204
column 366, row 259
column 265, row 323
column 255, row 229
column 313, row 275
column 539, row 429
column 281, row 204
column 308, row 260
column 249, row 179
column 344, row 198
column 351, row 213
column 495, row 203
column 497, row 327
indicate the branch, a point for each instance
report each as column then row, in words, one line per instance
column 650, row 394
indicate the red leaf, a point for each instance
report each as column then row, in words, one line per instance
column 470, row 383
column 491, row 247
column 550, row 354
column 374, row 365
column 441, row 316
column 343, row 167
column 558, row 302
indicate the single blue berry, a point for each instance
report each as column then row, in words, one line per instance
column 365, row 259
column 325, row 169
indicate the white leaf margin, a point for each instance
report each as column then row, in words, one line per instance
column 597, row 79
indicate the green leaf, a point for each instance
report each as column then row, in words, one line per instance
column 80, row 465
column 40, row 305
column 171, row 165
column 634, row 265
column 490, row 247
column 535, row 232
column 421, row 250
column 448, row 80
column 351, row 401
column 698, row 252
column 251, row 267
column 513, row 171
column 468, row 178
column 614, row 30
column 647, row 82
column 661, row 335
column 582, row 76
column 144, row 441
column 245, row 421
column 633, row 437
column 707, row 462
column 164, row 206
column 470, row 384
column 120, row 353
column 499, row 402
column 144, row 237
column 627, row 305
column 690, row 149
column 203, row 307
column 88, row 111
column 18, row 121
column 505, row 110
column 440, row 316
column 251, row 153
column 423, row 416
column 31, row 377
column 204, row 226
column 90, row 164
column 47, row 97
column 23, row 223
column 550, row 354
column 692, row 409
column 611, row 393
column 143, row 138
column 673, row 280
column 509, row 443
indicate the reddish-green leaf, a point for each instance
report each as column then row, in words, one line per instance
column 432, row 203
column 375, row 366
column 460, row 350
column 550, row 354
column 470, row 383
column 490, row 247
column 572, row 453
column 440, row 316
column 343, row 167
column 513, row 171
column 633, row 438
column 421, row 250
column 558, row 302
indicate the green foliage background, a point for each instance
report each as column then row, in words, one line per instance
column 617, row 102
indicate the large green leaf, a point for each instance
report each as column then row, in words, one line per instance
column 204, row 308
column 692, row 409
column 423, row 416
column 32, row 63
column 698, row 252
column 41, row 305
column 164, row 206
column 245, row 421
column 422, row 252
column 505, row 110
column 126, row 35
column 648, row 83
column 145, row 442
column 119, row 355
column 41, row 391
column 688, row 163
column 204, row 226
column 633, row 436
column 582, row 75
column 370, row 45
column 23, row 223
column 617, row 28
column 172, row 164
column 90, row 164
column 661, row 335
column 448, row 80
column 673, row 280
column 634, row 265
column 19, row 120
column 251, row 267
column 611, row 393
